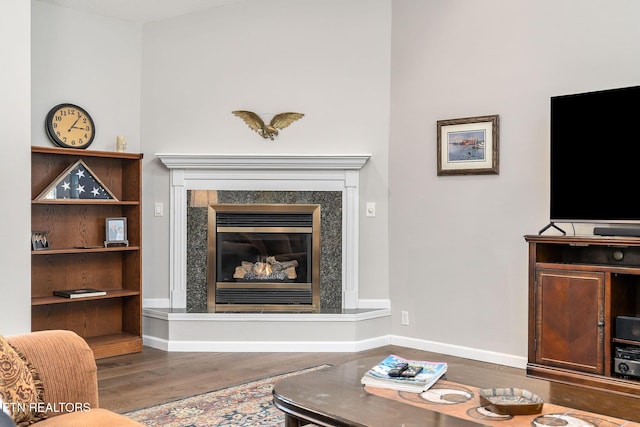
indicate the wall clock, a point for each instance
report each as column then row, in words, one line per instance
column 70, row 126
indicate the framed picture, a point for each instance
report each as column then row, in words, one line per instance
column 116, row 231
column 39, row 240
column 468, row 146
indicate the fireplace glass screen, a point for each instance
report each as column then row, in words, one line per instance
column 272, row 256
column 265, row 256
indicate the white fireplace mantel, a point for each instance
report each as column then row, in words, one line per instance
column 264, row 161
column 263, row 172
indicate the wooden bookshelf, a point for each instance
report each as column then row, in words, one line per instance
column 77, row 257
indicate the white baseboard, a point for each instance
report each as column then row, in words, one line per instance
column 265, row 346
column 374, row 303
column 156, row 302
column 460, row 351
column 326, row 346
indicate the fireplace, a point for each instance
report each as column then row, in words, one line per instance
column 331, row 180
column 263, row 257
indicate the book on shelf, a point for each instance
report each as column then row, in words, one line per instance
column 378, row 375
column 79, row 293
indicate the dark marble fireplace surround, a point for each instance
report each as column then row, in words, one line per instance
column 330, row 241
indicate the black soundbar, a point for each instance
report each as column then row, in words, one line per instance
column 616, row 231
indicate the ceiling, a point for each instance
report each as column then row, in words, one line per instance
column 139, row 11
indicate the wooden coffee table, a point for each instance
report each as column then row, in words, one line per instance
column 334, row 397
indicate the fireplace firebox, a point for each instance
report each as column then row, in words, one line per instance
column 263, row 257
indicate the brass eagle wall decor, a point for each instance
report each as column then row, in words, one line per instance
column 279, row 121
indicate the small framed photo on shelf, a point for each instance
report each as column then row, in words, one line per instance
column 116, row 231
column 39, row 240
column 468, row 146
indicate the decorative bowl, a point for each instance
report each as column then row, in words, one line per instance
column 510, row 401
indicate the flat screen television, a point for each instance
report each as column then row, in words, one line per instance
column 595, row 157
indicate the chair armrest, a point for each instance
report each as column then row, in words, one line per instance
column 66, row 366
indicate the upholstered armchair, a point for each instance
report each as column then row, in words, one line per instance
column 64, row 369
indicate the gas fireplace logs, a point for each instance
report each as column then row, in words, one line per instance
column 270, row 269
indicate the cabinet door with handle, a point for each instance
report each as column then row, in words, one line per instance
column 570, row 319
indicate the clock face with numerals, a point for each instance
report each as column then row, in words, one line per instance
column 70, row 126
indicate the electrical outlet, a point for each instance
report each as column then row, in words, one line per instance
column 405, row 317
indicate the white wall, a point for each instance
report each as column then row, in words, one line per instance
column 89, row 60
column 15, row 113
column 453, row 256
column 457, row 254
column 328, row 59
column 53, row 55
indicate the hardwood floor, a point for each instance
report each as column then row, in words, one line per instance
column 154, row 376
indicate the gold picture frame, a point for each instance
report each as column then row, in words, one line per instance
column 468, row 146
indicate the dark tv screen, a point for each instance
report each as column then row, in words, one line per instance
column 595, row 156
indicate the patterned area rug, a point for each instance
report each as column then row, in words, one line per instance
column 249, row 404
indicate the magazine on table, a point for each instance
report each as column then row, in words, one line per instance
column 406, row 375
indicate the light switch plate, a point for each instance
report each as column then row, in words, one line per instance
column 158, row 209
column 371, row 209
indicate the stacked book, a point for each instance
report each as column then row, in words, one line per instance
column 79, row 293
column 397, row 373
